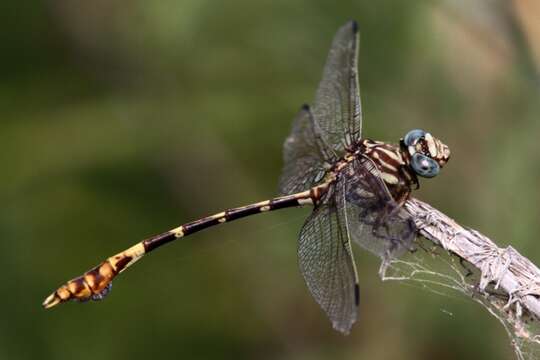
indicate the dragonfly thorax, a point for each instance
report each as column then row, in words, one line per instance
column 391, row 166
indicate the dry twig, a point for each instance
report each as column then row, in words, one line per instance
column 505, row 269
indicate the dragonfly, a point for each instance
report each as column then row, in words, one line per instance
column 357, row 188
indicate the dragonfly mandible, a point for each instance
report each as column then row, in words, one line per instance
column 357, row 188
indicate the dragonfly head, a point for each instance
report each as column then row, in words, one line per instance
column 426, row 154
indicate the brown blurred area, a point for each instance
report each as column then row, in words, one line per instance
column 120, row 120
column 527, row 13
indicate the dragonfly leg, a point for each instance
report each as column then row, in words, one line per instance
column 395, row 242
column 463, row 263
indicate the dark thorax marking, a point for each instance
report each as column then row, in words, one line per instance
column 391, row 166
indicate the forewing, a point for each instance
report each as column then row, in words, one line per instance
column 376, row 221
column 320, row 136
column 326, row 260
column 305, row 157
column 337, row 108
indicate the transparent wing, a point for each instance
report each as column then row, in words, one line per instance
column 337, row 109
column 376, row 221
column 306, row 159
column 326, row 260
column 319, row 136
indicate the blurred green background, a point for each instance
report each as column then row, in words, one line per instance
column 123, row 119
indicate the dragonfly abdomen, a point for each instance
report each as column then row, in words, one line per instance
column 95, row 283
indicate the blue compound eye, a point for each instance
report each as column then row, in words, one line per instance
column 412, row 137
column 424, row 166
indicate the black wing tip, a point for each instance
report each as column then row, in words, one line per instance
column 353, row 24
column 305, row 107
column 356, row 294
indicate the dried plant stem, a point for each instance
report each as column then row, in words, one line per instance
column 505, row 269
